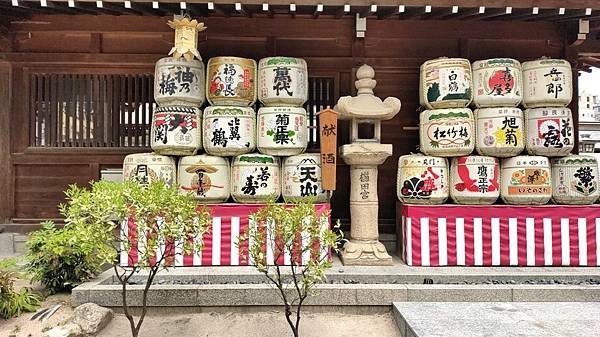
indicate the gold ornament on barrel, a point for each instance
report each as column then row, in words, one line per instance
column 186, row 37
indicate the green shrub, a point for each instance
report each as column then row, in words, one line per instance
column 13, row 303
column 61, row 258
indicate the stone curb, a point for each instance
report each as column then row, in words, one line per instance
column 224, row 295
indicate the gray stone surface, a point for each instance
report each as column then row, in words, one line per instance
column 92, row 318
column 458, row 293
column 7, row 246
column 554, row 293
column 497, row 319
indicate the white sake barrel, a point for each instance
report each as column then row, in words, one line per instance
column 175, row 130
column 282, row 81
column 146, row 168
column 497, row 82
column 422, row 179
column 447, row 132
column 255, row 178
column 575, row 180
column 549, row 131
column 547, row 82
column 446, row 83
column 500, row 132
column 301, row 178
column 179, row 82
column 282, row 131
column 526, row 180
column 474, row 180
column 231, row 81
column 229, row 131
column 205, row 177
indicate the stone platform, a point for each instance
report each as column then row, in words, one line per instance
column 355, row 286
column 556, row 319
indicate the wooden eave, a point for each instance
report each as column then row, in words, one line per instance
column 522, row 10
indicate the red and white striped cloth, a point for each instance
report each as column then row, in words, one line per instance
column 501, row 235
column 220, row 242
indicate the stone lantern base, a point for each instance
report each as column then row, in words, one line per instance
column 365, row 253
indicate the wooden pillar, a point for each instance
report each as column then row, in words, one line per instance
column 6, row 171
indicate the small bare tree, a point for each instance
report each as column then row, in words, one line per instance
column 167, row 223
column 299, row 231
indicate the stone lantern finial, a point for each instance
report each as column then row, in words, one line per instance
column 365, row 82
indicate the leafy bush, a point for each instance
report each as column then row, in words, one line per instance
column 61, row 258
column 280, row 226
column 13, row 303
column 93, row 217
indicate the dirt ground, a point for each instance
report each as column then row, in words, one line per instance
column 263, row 324
column 221, row 324
column 212, row 324
column 23, row 326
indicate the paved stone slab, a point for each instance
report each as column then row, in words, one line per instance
column 497, row 319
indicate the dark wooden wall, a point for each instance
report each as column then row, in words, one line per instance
column 395, row 48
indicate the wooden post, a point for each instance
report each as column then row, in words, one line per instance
column 6, row 172
column 328, row 133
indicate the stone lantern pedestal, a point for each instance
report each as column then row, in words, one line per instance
column 364, row 247
column 364, row 155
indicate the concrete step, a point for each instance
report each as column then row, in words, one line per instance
column 495, row 319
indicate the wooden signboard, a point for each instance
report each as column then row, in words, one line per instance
column 328, row 133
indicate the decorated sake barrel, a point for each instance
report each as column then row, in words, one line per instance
column 549, row 131
column 282, row 131
column 301, row 178
column 175, row 130
column 547, row 82
column 422, row 179
column 526, row 180
column 446, row 83
column 255, row 178
column 497, row 82
column 447, row 132
column 231, row 81
column 500, row 132
column 575, row 180
column 474, row 180
column 282, row 81
column 146, row 168
column 179, row 82
column 229, row 130
column 205, row 177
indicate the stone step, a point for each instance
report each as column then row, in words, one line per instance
column 494, row 319
column 239, row 287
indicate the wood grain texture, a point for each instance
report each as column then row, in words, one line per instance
column 130, row 45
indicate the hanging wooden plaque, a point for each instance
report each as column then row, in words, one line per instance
column 328, row 137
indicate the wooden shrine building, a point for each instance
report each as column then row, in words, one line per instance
column 76, row 76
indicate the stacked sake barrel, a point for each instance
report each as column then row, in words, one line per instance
column 503, row 132
column 175, row 127
column 446, row 131
column 282, row 130
column 547, row 90
column 229, row 128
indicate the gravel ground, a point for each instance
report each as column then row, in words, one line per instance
column 173, row 281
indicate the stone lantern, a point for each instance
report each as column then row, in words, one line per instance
column 364, row 155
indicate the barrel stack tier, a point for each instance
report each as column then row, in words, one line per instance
column 500, row 132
